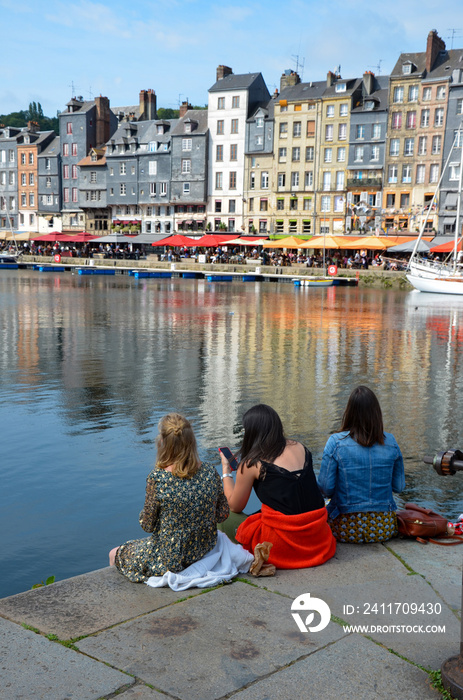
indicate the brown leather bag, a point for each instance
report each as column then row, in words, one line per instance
column 424, row 524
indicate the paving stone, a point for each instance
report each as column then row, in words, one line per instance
column 441, row 566
column 33, row 667
column 87, row 603
column 141, row 692
column 210, row 645
column 352, row 669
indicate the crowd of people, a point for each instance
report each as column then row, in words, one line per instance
column 190, row 510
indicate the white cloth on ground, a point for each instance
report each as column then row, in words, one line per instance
column 225, row 561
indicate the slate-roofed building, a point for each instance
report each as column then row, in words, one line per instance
column 8, row 178
column 257, row 194
column 93, row 191
column 31, row 141
column 49, row 187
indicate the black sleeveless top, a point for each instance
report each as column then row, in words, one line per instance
column 289, row 492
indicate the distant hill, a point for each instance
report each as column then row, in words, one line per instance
column 34, row 114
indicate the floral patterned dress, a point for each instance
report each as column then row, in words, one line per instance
column 182, row 515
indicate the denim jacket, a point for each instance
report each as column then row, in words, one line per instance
column 358, row 478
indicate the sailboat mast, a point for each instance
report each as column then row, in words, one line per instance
column 460, row 183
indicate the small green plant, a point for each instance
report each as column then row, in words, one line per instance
column 48, row 582
column 436, row 682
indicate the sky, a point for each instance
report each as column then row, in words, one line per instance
column 57, row 49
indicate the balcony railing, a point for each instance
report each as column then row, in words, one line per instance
column 364, row 182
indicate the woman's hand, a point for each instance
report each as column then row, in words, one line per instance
column 226, row 469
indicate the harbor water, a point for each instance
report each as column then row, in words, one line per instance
column 89, row 364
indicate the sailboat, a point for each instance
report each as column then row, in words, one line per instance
column 434, row 276
column 10, row 256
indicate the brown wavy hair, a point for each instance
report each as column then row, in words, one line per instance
column 363, row 418
column 176, row 446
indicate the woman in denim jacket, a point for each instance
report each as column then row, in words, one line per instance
column 361, row 467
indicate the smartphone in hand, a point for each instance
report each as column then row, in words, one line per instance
column 228, row 454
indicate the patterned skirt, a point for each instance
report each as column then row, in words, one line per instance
column 364, row 527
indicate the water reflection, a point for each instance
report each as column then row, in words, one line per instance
column 88, row 365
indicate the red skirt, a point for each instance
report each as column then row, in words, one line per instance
column 299, row 541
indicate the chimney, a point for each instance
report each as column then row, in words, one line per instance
column 184, row 107
column 223, row 71
column 289, row 79
column 148, row 106
column 330, row 79
column 32, row 127
column 102, row 120
column 368, row 81
column 433, row 46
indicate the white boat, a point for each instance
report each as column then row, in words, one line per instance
column 10, row 256
column 440, row 277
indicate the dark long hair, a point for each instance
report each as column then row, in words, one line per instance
column 363, row 417
column 264, row 437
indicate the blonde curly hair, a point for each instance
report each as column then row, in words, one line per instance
column 176, row 446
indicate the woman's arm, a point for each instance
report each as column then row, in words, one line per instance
column 398, row 473
column 222, row 511
column 238, row 493
column 329, row 469
column 150, row 512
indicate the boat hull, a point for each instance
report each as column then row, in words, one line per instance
column 437, row 285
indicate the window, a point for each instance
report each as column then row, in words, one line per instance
column 282, row 155
column 306, row 204
column 280, row 204
column 264, row 181
column 329, row 132
column 340, row 87
column 74, row 194
column 411, row 120
column 221, row 103
column 396, row 120
column 218, row 206
column 220, row 124
column 93, row 176
column 152, row 146
column 436, row 145
column 231, row 224
column 327, row 180
column 408, row 147
column 232, row 180
column 330, row 111
column 281, row 181
column 341, row 155
column 308, row 179
column 338, row 204
column 163, row 189
column 296, row 154
column 122, row 168
column 454, row 172
column 47, row 164
column 283, row 130
column 31, row 157
column 369, row 105
column 74, row 172
column 219, row 153
column 360, row 131
column 439, row 116
column 325, row 203
column 406, row 68
column 434, row 173
column 153, row 167
column 263, row 205
column 48, row 182
column 460, row 106
column 66, row 194
column 73, row 149
column 328, row 155
column 66, row 172
column 310, row 128
column 23, row 179
column 259, row 140
column 424, row 117
column 235, row 102
column 298, row 108
column 23, row 200
column 398, row 94
column 343, row 110
column 457, row 137
column 65, row 149
column 427, row 94
column 440, row 94
column 295, row 180
column 218, row 181
column 420, row 174
column 342, row 132
column 262, row 227
column 422, row 146
column 186, row 144
column 392, row 173
column 69, row 127
column 234, row 126
column 309, row 153
column 390, row 200
column 340, row 180
column 252, row 181
column 376, row 132
column 259, row 122
column 358, row 154
column 404, row 200
column 293, row 204
column 186, row 188
column 233, row 151
column 186, row 166
column 394, row 147
column 123, row 189
column 406, row 173
column 152, row 189
column 413, row 93
column 374, row 153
